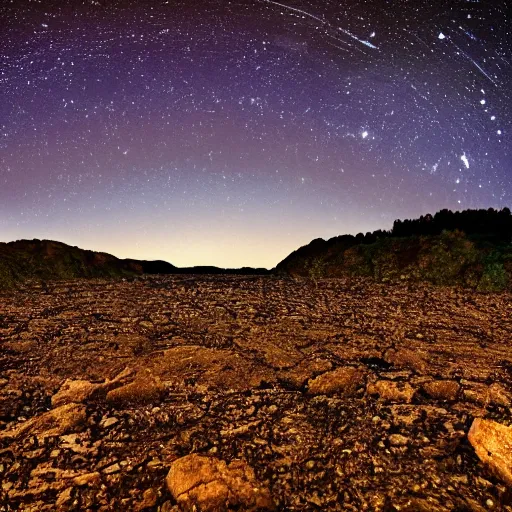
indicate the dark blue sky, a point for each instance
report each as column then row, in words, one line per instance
column 231, row 133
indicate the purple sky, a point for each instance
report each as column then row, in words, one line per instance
column 231, row 133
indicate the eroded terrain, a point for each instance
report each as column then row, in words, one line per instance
column 328, row 395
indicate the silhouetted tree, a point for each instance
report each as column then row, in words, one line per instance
column 490, row 222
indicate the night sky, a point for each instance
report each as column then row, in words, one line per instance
column 231, row 133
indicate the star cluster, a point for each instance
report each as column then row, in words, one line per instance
column 232, row 132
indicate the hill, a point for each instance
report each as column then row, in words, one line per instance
column 470, row 248
column 47, row 260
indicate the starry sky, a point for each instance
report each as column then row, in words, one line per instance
column 232, row 132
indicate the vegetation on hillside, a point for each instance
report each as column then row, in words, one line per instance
column 46, row 260
column 470, row 248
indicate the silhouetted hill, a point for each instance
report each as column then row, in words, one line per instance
column 470, row 248
column 47, row 260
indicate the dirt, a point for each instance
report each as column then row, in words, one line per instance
column 316, row 395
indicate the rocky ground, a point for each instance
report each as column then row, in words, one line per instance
column 254, row 393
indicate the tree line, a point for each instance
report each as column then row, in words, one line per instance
column 489, row 223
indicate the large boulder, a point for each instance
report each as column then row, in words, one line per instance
column 211, row 485
column 492, row 442
column 74, row 391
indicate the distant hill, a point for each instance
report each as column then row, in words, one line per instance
column 472, row 248
column 47, row 260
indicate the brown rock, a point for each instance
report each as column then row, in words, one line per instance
column 344, row 381
column 145, row 389
column 219, row 369
column 405, row 358
column 149, row 499
column 498, row 395
column 59, row 421
column 306, row 369
column 484, row 395
column 113, row 468
column 492, row 442
column 78, row 391
column 398, row 440
column 209, row 484
column 73, row 391
column 64, row 499
column 442, row 389
column 391, row 391
column 90, row 479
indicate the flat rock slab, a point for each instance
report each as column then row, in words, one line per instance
column 344, row 381
column 391, row 391
column 77, row 391
column 62, row 420
column 492, row 442
column 210, row 484
column 145, row 389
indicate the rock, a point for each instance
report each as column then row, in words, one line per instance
column 484, row 395
column 149, row 499
column 145, row 389
column 210, row 484
column 62, row 420
column 442, row 389
column 498, row 395
column 90, row 479
column 167, row 506
column 108, row 422
column 344, row 381
column 405, row 358
column 296, row 377
column 73, row 391
column 114, row 468
column 78, row 391
column 492, row 442
column 398, row 440
column 391, row 391
column 64, row 499
column 473, row 506
column 214, row 368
